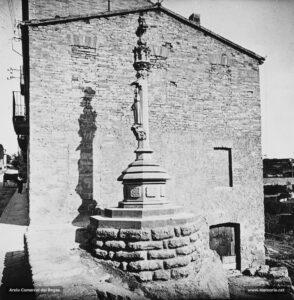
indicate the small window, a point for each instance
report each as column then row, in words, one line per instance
column 224, row 60
column 223, row 175
column 220, row 59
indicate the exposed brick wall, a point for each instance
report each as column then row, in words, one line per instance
column 196, row 104
column 44, row 9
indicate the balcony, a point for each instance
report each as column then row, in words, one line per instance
column 23, row 142
column 19, row 118
column 22, row 84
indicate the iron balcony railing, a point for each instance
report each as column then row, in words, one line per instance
column 19, row 117
column 22, row 84
column 19, row 107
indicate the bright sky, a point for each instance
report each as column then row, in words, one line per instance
column 263, row 26
column 8, row 59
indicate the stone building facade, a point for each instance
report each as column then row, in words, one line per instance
column 205, row 122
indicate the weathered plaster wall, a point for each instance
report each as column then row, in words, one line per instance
column 195, row 106
column 44, row 9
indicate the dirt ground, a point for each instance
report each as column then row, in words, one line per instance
column 280, row 252
column 245, row 287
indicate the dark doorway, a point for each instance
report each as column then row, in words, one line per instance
column 225, row 240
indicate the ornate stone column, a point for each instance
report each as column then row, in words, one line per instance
column 144, row 181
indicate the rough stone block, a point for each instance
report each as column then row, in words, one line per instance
column 97, row 242
column 263, row 271
column 115, row 244
column 165, row 244
column 194, row 237
column 137, row 255
column 144, row 276
column 282, row 282
column 161, row 275
column 180, row 261
column 177, row 231
column 113, row 263
column 124, row 266
column 195, row 256
column 185, row 250
column 162, row 233
column 107, row 233
column 111, row 254
column 150, row 245
column 135, row 234
column 161, row 254
column 100, row 253
column 183, row 272
column 277, row 272
column 145, row 265
column 188, row 229
column 178, row 242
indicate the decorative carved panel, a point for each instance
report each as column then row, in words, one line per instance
column 151, row 191
column 135, row 192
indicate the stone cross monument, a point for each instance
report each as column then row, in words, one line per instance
column 145, row 235
column 144, row 181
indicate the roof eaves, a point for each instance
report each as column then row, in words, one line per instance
column 59, row 20
column 157, row 6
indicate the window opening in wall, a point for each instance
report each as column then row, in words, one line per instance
column 225, row 240
column 224, row 60
column 223, row 173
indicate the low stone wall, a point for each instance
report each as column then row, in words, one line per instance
column 150, row 254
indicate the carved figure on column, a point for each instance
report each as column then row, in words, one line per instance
column 141, row 64
column 137, row 127
column 136, row 107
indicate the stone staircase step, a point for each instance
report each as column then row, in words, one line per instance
column 144, row 222
column 140, row 213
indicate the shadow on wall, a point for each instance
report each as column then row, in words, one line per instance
column 87, row 129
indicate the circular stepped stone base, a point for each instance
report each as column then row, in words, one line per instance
column 161, row 248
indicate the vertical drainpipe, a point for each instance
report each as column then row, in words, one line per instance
column 108, row 5
column 25, row 10
column 26, row 74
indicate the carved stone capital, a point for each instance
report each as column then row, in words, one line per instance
column 143, row 73
column 139, row 132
